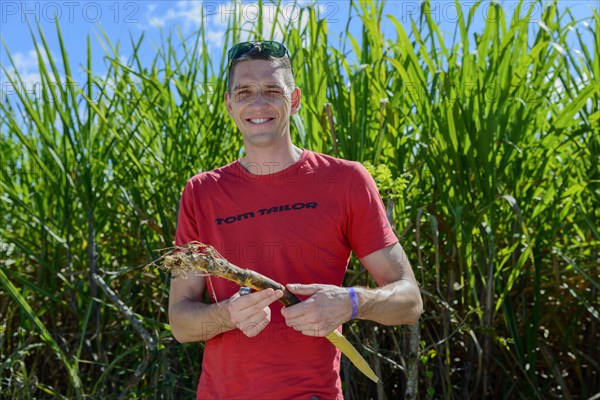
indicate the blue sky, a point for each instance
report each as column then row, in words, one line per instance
column 121, row 19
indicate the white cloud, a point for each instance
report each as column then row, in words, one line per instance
column 273, row 19
column 30, row 82
column 26, row 66
column 215, row 16
column 124, row 59
column 186, row 13
column 25, row 61
column 216, row 38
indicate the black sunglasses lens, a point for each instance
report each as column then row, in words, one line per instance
column 270, row 48
column 239, row 50
column 274, row 49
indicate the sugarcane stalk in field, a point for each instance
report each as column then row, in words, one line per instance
column 200, row 257
column 196, row 256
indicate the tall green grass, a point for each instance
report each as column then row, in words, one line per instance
column 495, row 136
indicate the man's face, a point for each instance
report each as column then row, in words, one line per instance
column 261, row 102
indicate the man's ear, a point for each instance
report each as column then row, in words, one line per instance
column 228, row 102
column 296, row 96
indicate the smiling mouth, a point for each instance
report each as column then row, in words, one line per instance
column 258, row 121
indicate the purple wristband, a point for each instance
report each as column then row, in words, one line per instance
column 354, row 301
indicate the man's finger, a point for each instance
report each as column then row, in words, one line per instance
column 259, row 300
column 304, row 290
column 253, row 329
column 295, row 311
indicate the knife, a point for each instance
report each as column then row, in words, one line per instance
column 335, row 337
column 200, row 257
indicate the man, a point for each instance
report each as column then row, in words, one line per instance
column 294, row 216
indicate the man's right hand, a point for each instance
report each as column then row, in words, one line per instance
column 251, row 313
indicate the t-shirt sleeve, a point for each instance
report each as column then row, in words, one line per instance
column 368, row 229
column 187, row 230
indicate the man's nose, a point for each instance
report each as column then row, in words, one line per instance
column 262, row 96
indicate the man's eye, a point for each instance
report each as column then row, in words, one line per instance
column 243, row 94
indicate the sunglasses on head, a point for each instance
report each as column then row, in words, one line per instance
column 268, row 48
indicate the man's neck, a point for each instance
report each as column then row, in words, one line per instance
column 269, row 160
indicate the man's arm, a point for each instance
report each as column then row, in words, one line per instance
column 192, row 320
column 396, row 301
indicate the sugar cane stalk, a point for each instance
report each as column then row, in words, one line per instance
column 200, row 257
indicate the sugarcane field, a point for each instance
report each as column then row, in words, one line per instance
column 300, row 199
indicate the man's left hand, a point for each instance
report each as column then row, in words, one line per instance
column 327, row 308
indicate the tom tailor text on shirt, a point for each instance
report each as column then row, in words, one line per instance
column 267, row 211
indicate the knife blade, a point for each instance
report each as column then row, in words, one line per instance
column 335, row 337
column 338, row 340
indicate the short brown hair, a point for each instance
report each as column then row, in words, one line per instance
column 257, row 54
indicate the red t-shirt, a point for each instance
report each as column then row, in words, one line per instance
column 295, row 226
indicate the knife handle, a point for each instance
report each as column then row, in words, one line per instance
column 289, row 298
column 258, row 281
